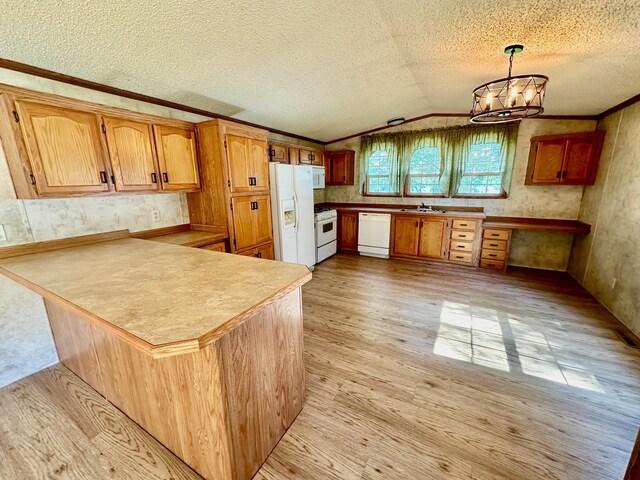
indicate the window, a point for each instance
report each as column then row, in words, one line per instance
column 424, row 172
column 379, row 173
column 482, row 172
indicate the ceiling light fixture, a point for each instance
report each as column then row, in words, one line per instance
column 395, row 121
column 511, row 98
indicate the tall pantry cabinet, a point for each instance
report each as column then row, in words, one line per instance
column 235, row 186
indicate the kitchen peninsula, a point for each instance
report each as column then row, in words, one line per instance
column 202, row 349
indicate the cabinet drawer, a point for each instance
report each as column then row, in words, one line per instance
column 456, row 256
column 494, row 244
column 494, row 254
column 492, row 264
column 216, row 247
column 461, row 246
column 496, row 234
column 464, row 224
column 462, row 235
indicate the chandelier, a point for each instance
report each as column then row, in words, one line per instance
column 511, row 98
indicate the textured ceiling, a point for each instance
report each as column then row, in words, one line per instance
column 328, row 68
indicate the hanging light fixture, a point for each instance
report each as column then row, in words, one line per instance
column 511, row 98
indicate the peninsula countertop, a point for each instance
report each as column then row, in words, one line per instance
column 162, row 297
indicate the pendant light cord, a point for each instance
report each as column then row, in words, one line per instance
column 510, row 62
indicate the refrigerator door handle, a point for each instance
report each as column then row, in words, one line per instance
column 296, row 203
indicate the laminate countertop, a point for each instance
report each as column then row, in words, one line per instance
column 411, row 211
column 191, row 238
column 161, row 297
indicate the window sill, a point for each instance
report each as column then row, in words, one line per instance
column 483, row 197
column 395, row 195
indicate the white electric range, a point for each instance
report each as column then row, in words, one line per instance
column 326, row 222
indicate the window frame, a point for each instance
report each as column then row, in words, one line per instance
column 365, row 188
column 502, row 194
column 407, row 180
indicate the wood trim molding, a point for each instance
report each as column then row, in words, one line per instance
column 627, row 103
column 49, row 245
column 156, row 232
column 79, row 82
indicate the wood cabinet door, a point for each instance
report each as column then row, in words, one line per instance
column 262, row 218
column 406, row 233
column 266, row 251
column 64, row 148
column 133, row 159
column 243, row 222
column 317, row 158
column 259, row 165
column 177, row 158
column 305, row 157
column 579, row 160
column 549, row 158
column 348, row 230
column 340, row 168
column 238, row 160
column 433, row 238
column 278, row 153
column 294, row 155
column 251, row 220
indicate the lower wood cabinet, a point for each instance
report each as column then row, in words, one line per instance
column 347, row 231
column 495, row 248
column 251, row 220
column 262, row 251
column 436, row 238
column 406, row 235
column 433, row 238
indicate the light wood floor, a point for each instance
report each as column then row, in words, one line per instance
column 414, row 371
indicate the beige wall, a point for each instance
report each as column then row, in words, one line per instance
column 607, row 261
column 26, row 345
column 532, row 249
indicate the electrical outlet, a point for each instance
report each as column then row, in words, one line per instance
column 3, row 235
column 613, row 283
column 532, row 208
column 155, row 215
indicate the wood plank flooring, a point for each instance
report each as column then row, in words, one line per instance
column 413, row 371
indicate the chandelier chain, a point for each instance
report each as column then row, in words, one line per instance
column 510, row 63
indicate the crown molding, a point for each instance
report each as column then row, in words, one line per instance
column 628, row 102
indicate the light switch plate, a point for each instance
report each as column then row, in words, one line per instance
column 3, row 235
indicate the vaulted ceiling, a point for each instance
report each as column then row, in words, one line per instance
column 329, row 68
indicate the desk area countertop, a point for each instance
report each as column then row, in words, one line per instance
column 156, row 295
column 186, row 235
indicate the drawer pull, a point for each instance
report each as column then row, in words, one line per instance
column 462, row 236
column 492, row 255
column 463, row 224
column 495, row 234
column 458, row 256
column 493, row 244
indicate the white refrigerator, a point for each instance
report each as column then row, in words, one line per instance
column 292, row 211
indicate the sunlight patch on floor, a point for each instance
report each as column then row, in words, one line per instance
column 479, row 336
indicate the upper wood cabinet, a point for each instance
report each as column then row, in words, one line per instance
column 406, row 235
column 279, row 152
column 177, row 157
column 64, row 149
column 133, row 159
column 570, row 159
column 311, row 157
column 340, row 166
column 248, row 164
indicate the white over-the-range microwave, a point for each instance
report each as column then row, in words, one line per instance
column 318, row 177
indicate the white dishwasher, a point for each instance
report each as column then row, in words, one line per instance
column 373, row 234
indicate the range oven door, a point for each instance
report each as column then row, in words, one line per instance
column 326, row 231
